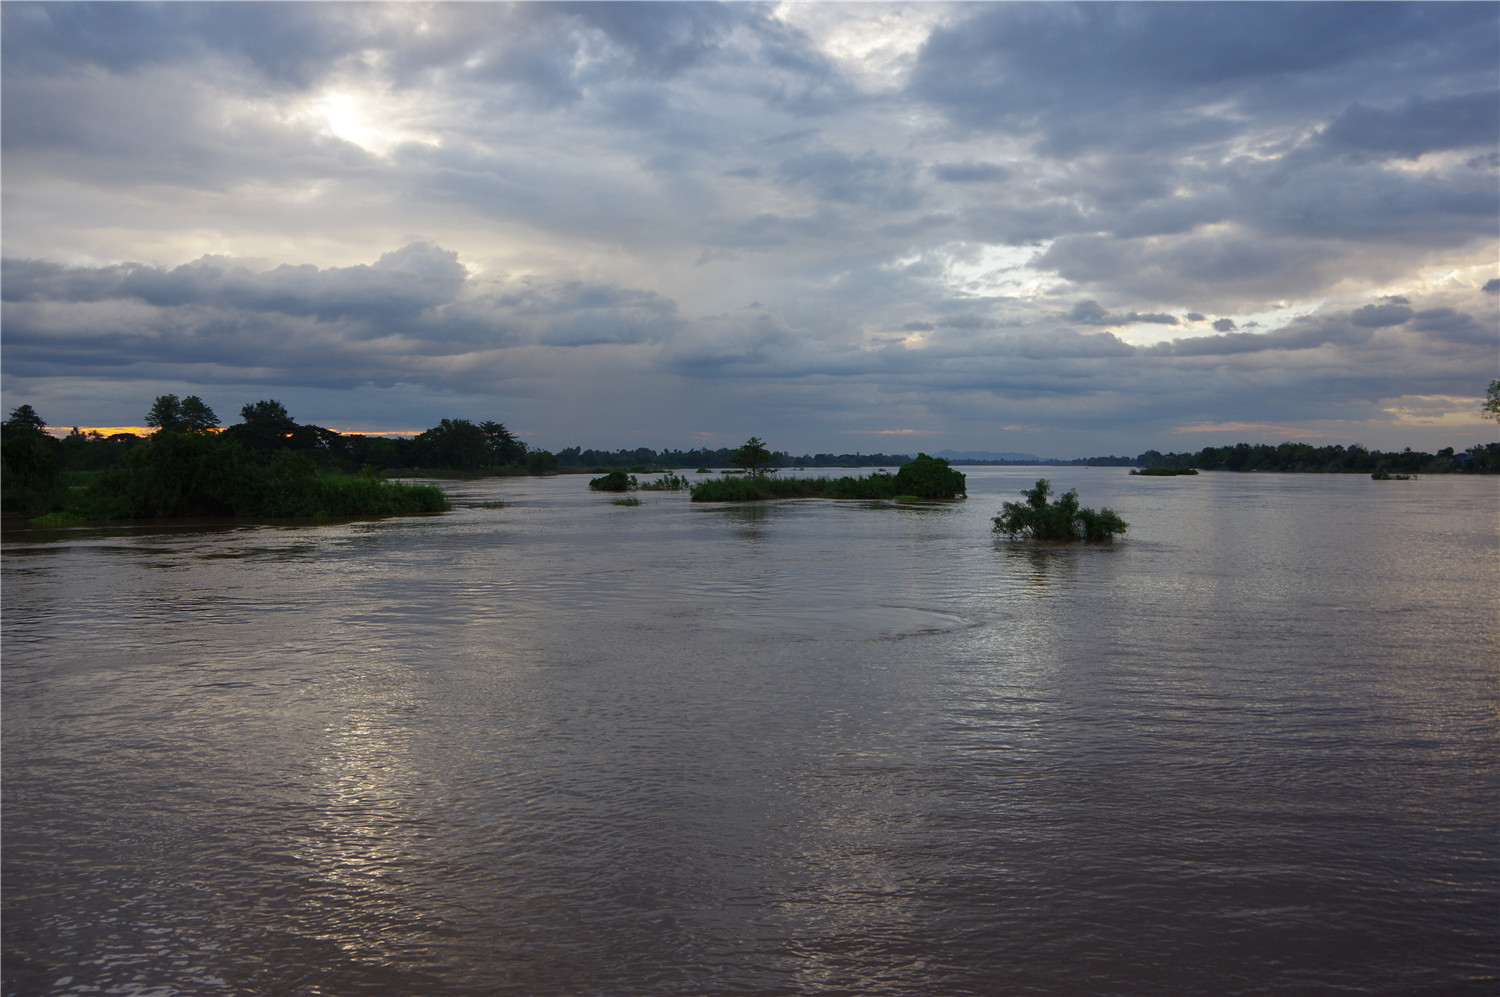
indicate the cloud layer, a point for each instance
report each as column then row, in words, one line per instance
column 1064, row 229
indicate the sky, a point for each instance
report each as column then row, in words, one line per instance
column 1035, row 227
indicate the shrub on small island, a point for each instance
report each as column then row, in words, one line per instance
column 1036, row 518
column 615, row 481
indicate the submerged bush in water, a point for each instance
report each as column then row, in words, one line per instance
column 615, row 481
column 1038, row 519
column 667, row 483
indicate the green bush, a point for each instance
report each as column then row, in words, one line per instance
column 1038, row 519
column 929, row 478
column 614, row 481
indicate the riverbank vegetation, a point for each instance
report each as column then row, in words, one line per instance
column 184, row 470
column 1037, row 517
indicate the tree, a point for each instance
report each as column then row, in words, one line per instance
column 504, row 448
column 453, row 443
column 930, row 478
column 181, row 415
column 1038, row 519
column 267, row 426
column 197, row 417
column 24, row 418
column 753, row 456
column 266, row 412
column 1491, row 407
column 28, row 464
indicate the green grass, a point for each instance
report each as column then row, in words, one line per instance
column 1163, row 472
column 630, row 500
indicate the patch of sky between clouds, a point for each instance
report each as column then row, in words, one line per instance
column 1149, row 334
column 875, row 44
column 979, row 270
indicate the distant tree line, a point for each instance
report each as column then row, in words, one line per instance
column 644, row 457
column 1481, row 459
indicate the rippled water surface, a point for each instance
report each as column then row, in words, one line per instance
column 565, row 747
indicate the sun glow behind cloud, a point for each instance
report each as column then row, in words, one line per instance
column 376, row 122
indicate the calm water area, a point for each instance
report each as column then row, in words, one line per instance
column 558, row 746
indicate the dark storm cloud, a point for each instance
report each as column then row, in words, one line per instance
column 1090, row 75
column 1418, row 125
column 336, row 327
column 400, row 285
column 1380, row 316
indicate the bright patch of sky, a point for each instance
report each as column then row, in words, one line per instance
column 876, row 44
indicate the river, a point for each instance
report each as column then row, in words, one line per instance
column 544, row 744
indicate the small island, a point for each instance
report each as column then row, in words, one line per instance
column 1060, row 521
column 922, row 478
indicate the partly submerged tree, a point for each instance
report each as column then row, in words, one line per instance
column 1036, row 518
column 753, row 456
column 929, row 478
column 1491, row 407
